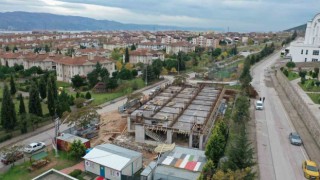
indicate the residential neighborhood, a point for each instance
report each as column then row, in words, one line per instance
column 84, row 97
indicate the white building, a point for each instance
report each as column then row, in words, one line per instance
column 307, row 50
column 113, row 162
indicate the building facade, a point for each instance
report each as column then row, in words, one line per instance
column 307, row 50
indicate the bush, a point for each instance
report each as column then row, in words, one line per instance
column 6, row 137
column 79, row 102
column 285, row 72
column 75, row 173
column 282, row 68
column 303, row 80
column 291, row 64
column 88, row 95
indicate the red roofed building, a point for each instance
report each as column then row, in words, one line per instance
column 145, row 56
column 67, row 67
column 183, row 46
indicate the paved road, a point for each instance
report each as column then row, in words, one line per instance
column 277, row 158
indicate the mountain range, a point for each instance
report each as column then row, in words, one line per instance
column 27, row 21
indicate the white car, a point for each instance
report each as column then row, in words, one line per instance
column 34, row 147
column 259, row 105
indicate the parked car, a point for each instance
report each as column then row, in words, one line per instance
column 259, row 105
column 310, row 170
column 34, row 147
column 295, row 139
column 11, row 157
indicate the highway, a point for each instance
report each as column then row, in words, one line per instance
column 277, row 158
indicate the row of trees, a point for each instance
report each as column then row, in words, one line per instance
column 290, row 38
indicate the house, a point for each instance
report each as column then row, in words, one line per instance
column 183, row 46
column 113, row 162
column 65, row 140
column 53, row 174
column 178, row 164
column 307, row 50
column 11, row 59
column 67, row 67
column 145, row 56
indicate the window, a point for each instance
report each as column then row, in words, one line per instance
column 314, row 60
column 315, row 52
column 305, row 59
column 301, row 51
column 306, row 52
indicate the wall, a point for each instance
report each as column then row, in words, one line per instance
column 302, row 109
column 92, row 167
column 136, row 165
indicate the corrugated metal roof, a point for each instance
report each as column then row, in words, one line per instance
column 149, row 168
column 112, row 156
column 107, row 159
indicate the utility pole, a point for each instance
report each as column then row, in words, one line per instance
column 56, row 127
column 179, row 54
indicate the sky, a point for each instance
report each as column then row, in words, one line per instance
column 235, row 15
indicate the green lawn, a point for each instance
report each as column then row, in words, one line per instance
column 20, row 172
column 235, row 87
column 308, row 88
column 315, row 97
column 293, row 76
column 63, row 84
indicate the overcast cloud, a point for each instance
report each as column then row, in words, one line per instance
column 238, row 15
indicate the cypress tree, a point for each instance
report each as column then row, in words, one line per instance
column 22, row 109
column 126, row 58
column 8, row 113
column 34, row 100
column 43, row 87
column 13, row 89
column 51, row 99
column 62, row 104
column 54, row 86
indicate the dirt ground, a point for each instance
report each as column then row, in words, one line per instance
column 112, row 124
column 113, row 129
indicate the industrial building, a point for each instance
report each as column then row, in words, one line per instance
column 178, row 114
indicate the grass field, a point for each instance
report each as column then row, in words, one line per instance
column 293, row 76
column 308, row 88
column 315, row 97
column 20, row 172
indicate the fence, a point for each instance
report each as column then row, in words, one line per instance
column 301, row 107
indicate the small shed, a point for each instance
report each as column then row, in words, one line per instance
column 113, row 162
column 65, row 140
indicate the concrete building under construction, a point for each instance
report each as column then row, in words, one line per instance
column 182, row 115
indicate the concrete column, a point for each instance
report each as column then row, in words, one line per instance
column 190, row 140
column 139, row 133
column 201, row 142
column 169, row 136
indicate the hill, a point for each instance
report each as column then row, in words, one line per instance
column 298, row 28
column 26, row 21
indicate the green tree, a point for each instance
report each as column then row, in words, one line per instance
column 125, row 74
column 157, row 67
column 62, row 104
column 47, row 48
column 126, row 58
column 133, row 47
column 7, row 48
column 290, row 64
column 8, row 113
column 77, row 81
column 88, row 95
column 34, row 100
column 43, row 87
column 207, row 170
column 22, row 109
column 148, row 74
column 51, row 99
column 112, row 83
column 13, row 89
column 93, row 78
column 77, row 149
column 15, row 49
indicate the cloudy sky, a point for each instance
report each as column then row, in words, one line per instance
column 238, row 15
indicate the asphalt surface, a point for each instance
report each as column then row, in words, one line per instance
column 277, row 158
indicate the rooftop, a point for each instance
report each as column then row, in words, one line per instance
column 53, row 174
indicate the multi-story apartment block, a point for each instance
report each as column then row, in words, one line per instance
column 145, row 56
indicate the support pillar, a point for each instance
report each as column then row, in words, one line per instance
column 190, row 140
column 169, row 136
column 201, row 141
column 139, row 133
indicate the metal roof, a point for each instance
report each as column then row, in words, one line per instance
column 149, row 168
column 112, row 156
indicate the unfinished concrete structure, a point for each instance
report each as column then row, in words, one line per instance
column 184, row 115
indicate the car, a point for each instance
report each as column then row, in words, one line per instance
column 310, row 170
column 295, row 139
column 11, row 157
column 34, row 147
column 259, row 105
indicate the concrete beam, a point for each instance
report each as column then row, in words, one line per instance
column 169, row 136
column 139, row 133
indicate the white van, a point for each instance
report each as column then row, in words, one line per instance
column 259, row 105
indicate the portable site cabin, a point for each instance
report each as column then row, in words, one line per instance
column 113, row 162
column 65, row 140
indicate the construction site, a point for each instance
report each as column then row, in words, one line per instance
column 183, row 115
